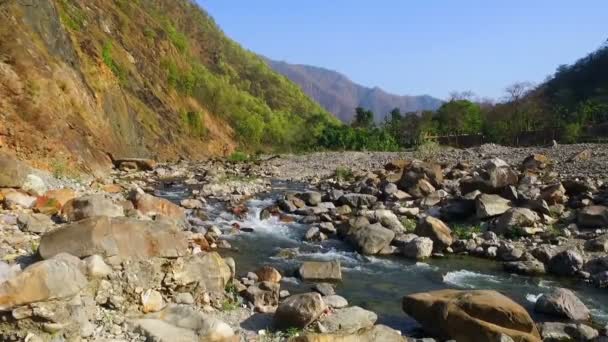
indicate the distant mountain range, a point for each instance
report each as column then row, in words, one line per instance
column 340, row 96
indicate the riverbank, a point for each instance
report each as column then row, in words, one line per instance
column 326, row 243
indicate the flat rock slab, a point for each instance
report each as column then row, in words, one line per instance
column 115, row 236
column 321, row 271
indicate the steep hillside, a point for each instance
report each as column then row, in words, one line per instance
column 340, row 96
column 152, row 78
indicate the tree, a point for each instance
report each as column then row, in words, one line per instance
column 363, row 118
column 518, row 90
column 459, row 116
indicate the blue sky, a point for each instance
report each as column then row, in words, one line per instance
column 420, row 46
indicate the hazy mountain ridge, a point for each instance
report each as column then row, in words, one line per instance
column 340, row 95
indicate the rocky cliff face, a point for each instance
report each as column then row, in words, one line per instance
column 80, row 80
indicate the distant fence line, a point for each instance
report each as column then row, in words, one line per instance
column 597, row 133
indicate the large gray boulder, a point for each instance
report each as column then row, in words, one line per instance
column 57, row 278
column 13, row 173
column 321, row 271
column 357, row 200
column 436, row 230
column 515, row 218
column 34, row 223
column 348, row 320
column 562, row 303
column 372, row 238
column 115, row 236
column 487, row 206
column 566, row 263
column 208, row 272
column 418, row 248
column 299, row 310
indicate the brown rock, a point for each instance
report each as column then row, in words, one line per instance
column 268, row 273
column 470, row 316
column 321, row 270
column 61, row 196
column 436, row 230
column 118, row 236
column 150, row 205
column 299, row 310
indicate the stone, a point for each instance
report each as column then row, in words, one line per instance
column 96, row 267
column 16, row 199
column 192, row 203
column 566, row 263
column 151, row 301
column 487, row 206
column 515, row 218
column 325, row 289
column 151, row 205
column 177, row 323
column 357, row 200
column 299, row 310
column 560, row 332
column 418, row 248
column 554, row 194
column 594, row 216
column 268, row 273
column 184, row 298
column 583, row 155
column 597, row 265
column 315, row 234
column 535, row 162
column 321, row 271
column 348, row 320
column 133, row 164
column 599, row 244
column 264, row 296
column 312, row 198
column 34, row 185
column 327, row 228
column 544, row 253
column 62, row 196
column 562, row 303
column 90, row 206
column 57, row 278
column 389, row 189
column 372, row 238
column 470, row 316
column 115, row 236
column 526, row 267
column 209, row 272
column 335, row 301
column 436, row 230
column 34, row 223
column 509, row 252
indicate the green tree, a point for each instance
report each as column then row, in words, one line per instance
column 363, row 118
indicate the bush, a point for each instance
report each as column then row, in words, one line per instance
column 238, row 156
column 194, row 123
column 571, row 133
column 343, row 174
column 465, row 232
column 428, row 150
column 106, row 56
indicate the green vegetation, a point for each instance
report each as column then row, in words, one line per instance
column 106, row 56
column 238, row 156
column 464, row 231
column 231, row 302
column 71, row 16
column 177, row 38
column 194, row 123
column 427, row 150
column 409, row 224
column 344, row 174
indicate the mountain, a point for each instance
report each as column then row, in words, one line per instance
column 81, row 80
column 340, row 96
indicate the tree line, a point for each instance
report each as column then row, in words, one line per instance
column 575, row 97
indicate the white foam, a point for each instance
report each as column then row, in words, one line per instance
column 333, row 254
column 469, row 279
column 532, row 298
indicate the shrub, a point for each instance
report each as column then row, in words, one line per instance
column 238, row 156
column 194, row 123
column 572, row 132
column 106, row 55
column 428, row 150
column 343, row 174
column 465, row 232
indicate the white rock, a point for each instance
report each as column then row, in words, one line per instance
column 152, row 301
column 96, row 267
column 34, row 185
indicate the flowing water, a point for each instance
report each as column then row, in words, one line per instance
column 376, row 283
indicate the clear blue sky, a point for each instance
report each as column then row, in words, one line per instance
column 420, row 46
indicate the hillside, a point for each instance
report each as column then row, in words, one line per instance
column 340, row 96
column 150, row 78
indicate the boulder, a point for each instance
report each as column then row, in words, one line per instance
column 335, row 301
column 515, row 218
column 566, row 263
column 599, row 244
column 487, row 206
column 554, row 194
column 594, row 216
column 57, row 278
column 321, row 271
column 567, row 332
column 535, row 162
column 597, row 265
column 525, row 267
column 208, row 272
column 418, row 248
column 13, row 172
column 311, row 197
column 497, row 176
column 115, row 236
column 134, row 164
column 183, row 323
column 562, row 303
column 470, row 316
column 299, row 310
column 61, row 196
column 34, row 185
column 34, row 223
column 436, row 230
column 268, row 273
column 96, row 267
column 151, row 205
column 348, row 320
column 90, row 206
column 264, row 296
column 151, row 301
column 372, row 238
column 357, row 200
column 17, row 199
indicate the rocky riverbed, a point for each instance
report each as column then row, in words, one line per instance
column 484, row 244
